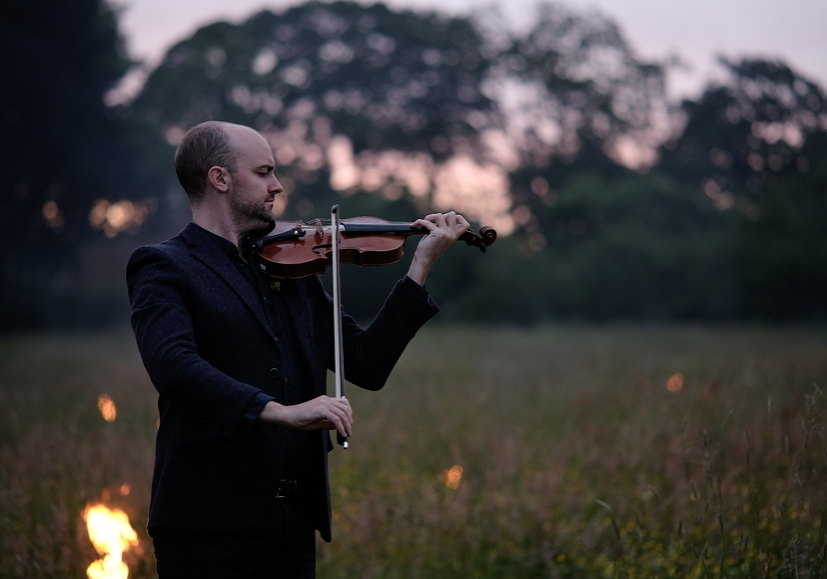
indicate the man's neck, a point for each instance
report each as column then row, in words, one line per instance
column 216, row 221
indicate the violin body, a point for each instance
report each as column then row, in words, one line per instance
column 296, row 249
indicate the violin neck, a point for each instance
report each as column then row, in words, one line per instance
column 405, row 229
column 383, row 228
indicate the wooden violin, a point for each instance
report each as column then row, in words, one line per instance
column 297, row 249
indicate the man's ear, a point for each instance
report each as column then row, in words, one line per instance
column 219, row 178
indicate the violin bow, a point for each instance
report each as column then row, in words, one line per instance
column 339, row 362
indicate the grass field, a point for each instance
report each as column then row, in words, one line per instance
column 492, row 453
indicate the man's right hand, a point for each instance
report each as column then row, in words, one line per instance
column 322, row 413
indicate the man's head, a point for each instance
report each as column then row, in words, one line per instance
column 228, row 172
column 204, row 146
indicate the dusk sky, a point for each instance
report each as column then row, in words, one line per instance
column 695, row 30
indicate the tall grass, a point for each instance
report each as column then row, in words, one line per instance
column 577, row 460
column 58, row 454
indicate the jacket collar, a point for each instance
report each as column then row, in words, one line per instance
column 294, row 294
column 204, row 249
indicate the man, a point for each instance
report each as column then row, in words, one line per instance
column 240, row 480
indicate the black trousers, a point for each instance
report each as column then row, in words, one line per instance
column 282, row 545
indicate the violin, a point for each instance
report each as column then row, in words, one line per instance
column 297, row 249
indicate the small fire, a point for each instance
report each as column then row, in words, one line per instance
column 675, row 383
column 111, row 534
column 452, row 477
column 107, row 408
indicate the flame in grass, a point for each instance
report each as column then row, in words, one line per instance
column 107, row 408
column 111, row 534
column 452, row 477
column 675, row 383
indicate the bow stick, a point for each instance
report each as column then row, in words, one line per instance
column 339, row 363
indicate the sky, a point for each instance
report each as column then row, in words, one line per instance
column 695, row 30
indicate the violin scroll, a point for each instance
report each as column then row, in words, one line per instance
column 486, row 237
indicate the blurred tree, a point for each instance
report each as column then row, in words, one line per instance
column 353, row 98
column 756, row 146
column 364, row 99
column 387, row 101
column 578, row 100
column 640, row 247
column 782, row 241
column 581, row 93
column 540, row 129
column 386, row 80
column 61, row 148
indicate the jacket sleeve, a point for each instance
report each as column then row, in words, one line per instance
column 161, row 297
column 371, row 353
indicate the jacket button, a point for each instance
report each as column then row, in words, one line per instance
column 274, row 372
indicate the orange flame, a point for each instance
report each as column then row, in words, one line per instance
column 107, row 408
column 675, row 383
column 452, row 477
column 111, row 534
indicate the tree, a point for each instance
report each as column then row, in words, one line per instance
column 385, row 80
column 353, row 97
column 363, row 97
column 418, row 108
column 576, row 99
column 60, row 145
column 585, row 94
column 755, row 146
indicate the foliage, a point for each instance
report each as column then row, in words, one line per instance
column 617, row 451
column 748, row 128
column 637, row 248
column 782, row 241
column 756, row 146
column 551, row 132
column 641, row 247
column 384, row 79
column 376, row 100
column 583, row 92
column 403, row 80
column 62, row 149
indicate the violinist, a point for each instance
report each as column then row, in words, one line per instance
column 240, row 479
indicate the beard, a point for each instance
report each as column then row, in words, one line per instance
column 249, row 214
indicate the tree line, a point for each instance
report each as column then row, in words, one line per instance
column 616, row 203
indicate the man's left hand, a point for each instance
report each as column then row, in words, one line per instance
column 443, row 230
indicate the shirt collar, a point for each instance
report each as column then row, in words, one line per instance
column 225, row 245
column 228, row 247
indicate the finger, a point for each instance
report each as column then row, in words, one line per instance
column 438, row 219
column 342, row 415
column 449, row 220
column 424, row 223
column 326, row 413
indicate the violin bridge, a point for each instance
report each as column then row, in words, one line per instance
column 317, row 223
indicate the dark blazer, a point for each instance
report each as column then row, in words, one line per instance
column 206, row 344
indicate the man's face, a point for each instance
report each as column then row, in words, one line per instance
column 254, row 183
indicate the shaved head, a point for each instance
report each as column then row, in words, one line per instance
column 204, row 146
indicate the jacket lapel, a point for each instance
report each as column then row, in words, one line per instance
column 208, row 253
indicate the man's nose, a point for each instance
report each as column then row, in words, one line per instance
column 276, row 186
